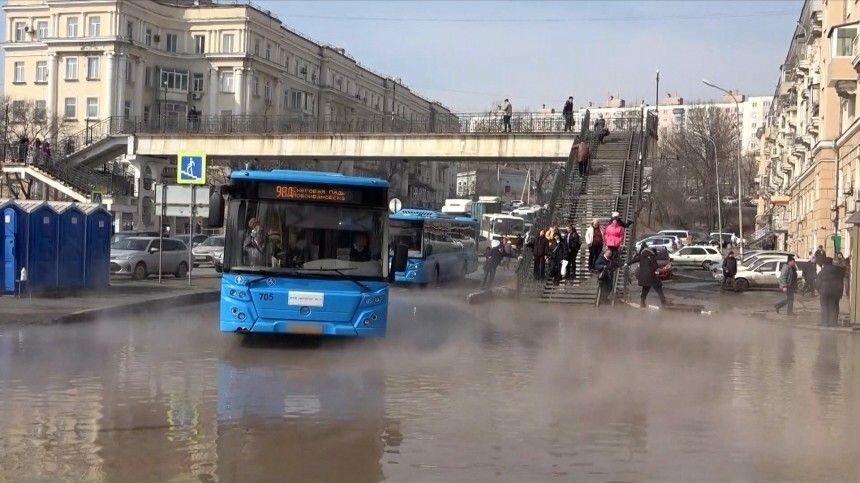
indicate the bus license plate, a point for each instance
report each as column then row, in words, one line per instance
column 304, row 329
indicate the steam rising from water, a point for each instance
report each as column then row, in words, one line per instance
column 504, row 391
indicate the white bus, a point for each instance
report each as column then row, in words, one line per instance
column 495, row 226
column 455, row 207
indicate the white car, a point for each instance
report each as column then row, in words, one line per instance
column 697, row 256
column 683, row 235
column 204, row 253
column 658, row 241
column 749, row 262
column 764, row 274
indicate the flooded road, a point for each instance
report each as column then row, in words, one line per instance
column 508, row 392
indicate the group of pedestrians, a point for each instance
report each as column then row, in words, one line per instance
column 498, row 254
column 555, row 253
column 567, row 112
column 37, row 152
column 821, row 273
column 604, row 245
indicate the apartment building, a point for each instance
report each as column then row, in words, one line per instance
column 673, row 112
column 86, row 60
column 809, row 162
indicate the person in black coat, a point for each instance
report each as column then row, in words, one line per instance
column 830, row 286
column 605, row 267
column 809, row 275
column 567, row 112
column 573, row 245
column 730, row 269
column 557, row 254
column 494, row 257
column 539, row 252
column 647, row 275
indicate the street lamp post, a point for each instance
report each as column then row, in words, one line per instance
column 740, row 175
column 717, row 183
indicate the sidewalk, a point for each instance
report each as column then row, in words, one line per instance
column 123, row 296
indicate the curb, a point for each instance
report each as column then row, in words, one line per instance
column 88, row 315
column 696, row 309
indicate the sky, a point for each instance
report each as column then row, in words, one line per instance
column 472, row 55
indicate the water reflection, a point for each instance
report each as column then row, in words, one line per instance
column 300, row 417
column 507, row 391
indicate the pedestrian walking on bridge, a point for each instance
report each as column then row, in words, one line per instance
column 567, row 112
column 788, row 284
column 507, row 113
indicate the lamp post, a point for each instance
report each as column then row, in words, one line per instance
column 740, row 176
column 717, row 183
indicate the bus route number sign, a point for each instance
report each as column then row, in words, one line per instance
column 313, row 193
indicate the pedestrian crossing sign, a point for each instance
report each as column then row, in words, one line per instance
column 191, row 168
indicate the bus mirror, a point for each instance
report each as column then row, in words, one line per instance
column 398, row 262
column 216, row 207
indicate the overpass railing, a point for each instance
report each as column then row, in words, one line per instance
column 297, row 123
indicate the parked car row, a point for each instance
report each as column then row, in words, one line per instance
column 759, row 269
column 138, row 254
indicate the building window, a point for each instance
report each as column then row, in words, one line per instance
column 72, row 27
column 92, row 107
column 197, row 83
column 95, row 25
column 285, row 102
column 129, row 71
column 267, row 91
column 256, row 88
column 40, row 111
column 19, row 31
column 296, row 100
column 93, row 64
column 42, row 29
column 19, row 72
column 227, row 43
column 126, row 110
column 19, row 110
column 843, row 41
column 171, row 43
column 199, row 44
column 268, row 51
column 257, row 47
column 71, row 108
column 147, row 38
column 174, row 79
column 226, row 81
column 41, row 71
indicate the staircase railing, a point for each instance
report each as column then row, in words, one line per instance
column 627, row 244
column 526, row 271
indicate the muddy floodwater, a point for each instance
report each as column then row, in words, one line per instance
column 502, row 392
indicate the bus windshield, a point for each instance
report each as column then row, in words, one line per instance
column 507, row 226
column 407, row 233
column 293, row 238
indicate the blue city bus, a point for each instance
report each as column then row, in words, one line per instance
column 305, row 253
column 440, row 246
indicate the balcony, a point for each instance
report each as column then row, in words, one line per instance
column 839, row 70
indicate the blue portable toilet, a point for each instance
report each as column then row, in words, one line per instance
column 14, row 243
column 97, row 246
column 71, row 240
column 42, row 247
column 3, row 204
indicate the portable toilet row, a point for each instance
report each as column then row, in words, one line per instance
column 63, row 246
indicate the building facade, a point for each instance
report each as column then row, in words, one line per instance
column 81, row 61
column 809, row 161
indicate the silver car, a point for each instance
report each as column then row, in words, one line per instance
column 139, row 257
column 206, row 252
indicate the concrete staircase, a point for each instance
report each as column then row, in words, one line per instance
column 606, row 188
column 69, row 170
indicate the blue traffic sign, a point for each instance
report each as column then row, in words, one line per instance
column 191, row 168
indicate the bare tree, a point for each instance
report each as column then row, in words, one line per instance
column 684, row 177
